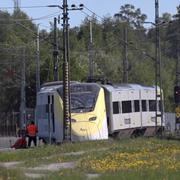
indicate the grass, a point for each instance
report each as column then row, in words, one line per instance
column 139, row 158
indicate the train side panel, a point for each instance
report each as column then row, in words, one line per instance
column 123, row 114
column 50, row 116
column 58, row 117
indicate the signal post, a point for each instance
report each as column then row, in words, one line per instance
column 177, row 88
column 177, row 108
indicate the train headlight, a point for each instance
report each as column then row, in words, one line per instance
column 93, row 118
column 73, row 120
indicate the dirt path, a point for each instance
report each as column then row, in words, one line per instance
column 42, row 170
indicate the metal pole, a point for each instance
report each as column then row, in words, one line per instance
column 125, row 60
column 156, row 50
column 23, row 95
column 91, row 68
column 37, row 63
column 49, row 117
column 158, row 79
column 55, row 52
column 66, row 82
column 177, row 80
column 69, row 93
column 177, row 64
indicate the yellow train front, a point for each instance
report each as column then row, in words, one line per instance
column 88, row 112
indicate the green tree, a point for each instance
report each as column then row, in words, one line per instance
column 128, row 13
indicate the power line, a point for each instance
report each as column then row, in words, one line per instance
column 24, row 7
column 89, row 15
column 33, row 19
column 93, row 13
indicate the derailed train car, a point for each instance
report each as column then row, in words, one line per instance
column 131, row 110
column 88, row 112
column 97, row 111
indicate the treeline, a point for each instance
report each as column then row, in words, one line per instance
column 17, row 43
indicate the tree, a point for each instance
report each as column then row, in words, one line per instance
column 166, row 17
column 128, row 13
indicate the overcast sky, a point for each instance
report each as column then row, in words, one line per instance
column 100, row 7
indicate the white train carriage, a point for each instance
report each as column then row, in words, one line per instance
column 131, row 109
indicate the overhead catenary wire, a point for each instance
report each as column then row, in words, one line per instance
column 33, row 19
column 24, row 7
column 93, row 12
column 89, row 16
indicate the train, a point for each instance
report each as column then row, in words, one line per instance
column 99, row 111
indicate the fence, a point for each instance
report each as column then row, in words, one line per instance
column 170, row 121
column 9, row 123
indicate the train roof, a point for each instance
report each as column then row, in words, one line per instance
column 123, row 87
column 56, row 83
column 51, row 86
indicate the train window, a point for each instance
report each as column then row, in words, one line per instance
column 159, row 102
column 136, row 106
column 126, row 107
column 152, row 105
column 116, row 107
column 82, row 102
column 144, row 106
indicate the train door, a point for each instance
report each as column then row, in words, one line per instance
column 126, row 109
column 51, row 120
column 42, row 115
column 151, row 108
column 144, row 108
column 115, row 112
column 135, row 116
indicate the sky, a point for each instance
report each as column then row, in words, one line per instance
column 100, row 7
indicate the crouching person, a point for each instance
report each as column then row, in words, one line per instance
column 32, row 131
column 21, row 141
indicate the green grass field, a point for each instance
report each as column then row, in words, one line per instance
column 140, row 158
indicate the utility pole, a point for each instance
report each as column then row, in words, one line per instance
column 91, row 63
column 158, row 80
column 37, row 63
column 66, row 71
column 16, row 5
column 177, row 63
column 23, row 94
column 125, row 59
column 55, row 52
column 177, row 109
column 66, row 81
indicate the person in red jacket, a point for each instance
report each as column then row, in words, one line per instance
column 32, row 133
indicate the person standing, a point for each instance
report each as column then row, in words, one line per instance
column 32, row 131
